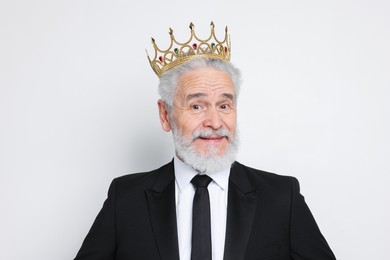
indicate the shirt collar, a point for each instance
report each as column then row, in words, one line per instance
column 185, row 173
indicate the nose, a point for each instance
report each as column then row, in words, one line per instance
column 213, row 119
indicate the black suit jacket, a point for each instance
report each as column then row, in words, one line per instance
column 267, row 218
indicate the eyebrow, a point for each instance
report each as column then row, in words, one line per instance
column 197, row 95
column 228, row 96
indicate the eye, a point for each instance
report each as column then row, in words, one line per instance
column 195, row 107
column 224, row 106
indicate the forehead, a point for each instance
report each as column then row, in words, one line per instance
column 205, row 80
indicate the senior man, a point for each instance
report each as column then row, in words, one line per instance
column 203, row 205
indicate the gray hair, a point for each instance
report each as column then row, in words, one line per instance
column 169, row 80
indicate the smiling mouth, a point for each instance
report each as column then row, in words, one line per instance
column 213, row 138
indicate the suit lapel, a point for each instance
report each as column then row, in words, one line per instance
column 162, row 213
column 242, row 198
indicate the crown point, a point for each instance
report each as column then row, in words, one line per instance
column 153, row 41
column 226, row 29
column 170, row 31
column 192, row 26
column 212, row 24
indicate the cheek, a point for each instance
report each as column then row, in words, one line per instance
column 231, row 122
column 186, row 124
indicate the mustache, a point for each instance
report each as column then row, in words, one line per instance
column 223, row 132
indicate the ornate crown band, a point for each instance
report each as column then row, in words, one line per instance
column 178, row 53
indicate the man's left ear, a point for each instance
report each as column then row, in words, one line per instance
column 164, row 115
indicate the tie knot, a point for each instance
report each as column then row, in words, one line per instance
column 201, row 180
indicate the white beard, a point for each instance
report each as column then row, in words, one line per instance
column 210, row 163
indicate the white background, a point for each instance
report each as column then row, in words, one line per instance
column 78, row 108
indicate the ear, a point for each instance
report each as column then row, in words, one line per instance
column 164, row 115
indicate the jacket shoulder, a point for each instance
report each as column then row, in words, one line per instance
column 265, row 179
column 142, row 180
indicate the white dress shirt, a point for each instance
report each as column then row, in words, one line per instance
column 185, row 191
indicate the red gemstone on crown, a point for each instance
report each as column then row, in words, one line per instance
column 226, row 49
column 194, row 46
column 160, row 58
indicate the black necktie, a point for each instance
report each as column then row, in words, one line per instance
column 201, row 227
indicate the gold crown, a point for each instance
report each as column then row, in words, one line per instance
column 178, row 53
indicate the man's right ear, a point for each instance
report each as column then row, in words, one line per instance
column 164, row 115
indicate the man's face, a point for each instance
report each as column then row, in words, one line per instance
column 205, row 100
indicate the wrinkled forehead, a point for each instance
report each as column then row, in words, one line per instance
column 205, row 81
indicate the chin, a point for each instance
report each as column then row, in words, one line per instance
column 206, row 156
column 211, row 150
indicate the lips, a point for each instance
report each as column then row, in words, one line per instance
column 211, row 135
column 212, row 138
